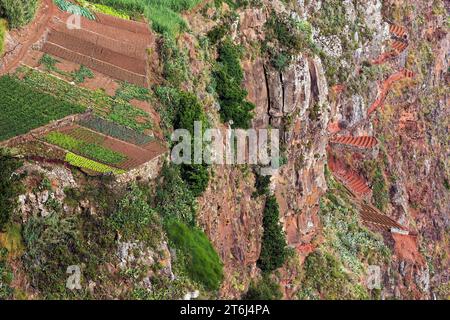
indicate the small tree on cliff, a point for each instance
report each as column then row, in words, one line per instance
column 273, row 249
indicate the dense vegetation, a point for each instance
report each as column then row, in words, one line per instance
column 335, row 269
column 134, row 219
column 8, row 187
column 24, row 108
column 265, row 289
column 164, row 15
column 181, row 111
column 228, row 76
column 18, row 12
column 273, row 248
column 3, row 27
column 173, row 197
column 114, row 109
column 203, row 264
column 286, row 38
column 6, row 276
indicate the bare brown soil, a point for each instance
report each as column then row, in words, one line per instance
column 23, row 39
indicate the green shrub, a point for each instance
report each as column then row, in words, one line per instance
column 265, row 289
column 134, row 219
column 325, row 277
column 128, row 91
column 18, row 12
column 228, row 77
column 380, row 192
column 6, row 276
column 173, row 197
column 9, row 187
column 56, row 242
column 203, row 264
column 3, row 28
column 196, row 177
column 287, row 37
column 262, row 185
column 81, row 74
column 273, row 246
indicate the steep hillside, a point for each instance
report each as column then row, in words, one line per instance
column 359, row 208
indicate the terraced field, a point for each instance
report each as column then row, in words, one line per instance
column 112, row 46
column 24, row 108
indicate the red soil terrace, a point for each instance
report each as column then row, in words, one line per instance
column 364, row 142
column 112, row 46
column 354, row 182
column 398, row 46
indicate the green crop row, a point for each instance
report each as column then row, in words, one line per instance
column 111, row 108
column 74, row 9
column 90, row 150
column 23, row 108
column 115, row 130
column 82, row 162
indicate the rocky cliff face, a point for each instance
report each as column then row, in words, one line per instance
column 304, row 100
column 373, row 70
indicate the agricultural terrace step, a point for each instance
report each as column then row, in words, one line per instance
column 371, row 215
column 359, row 142
column 97, row 65
column 114, row 32
column 355, row 183
column 123, row 24
column 136, row 155
column 124, row 46
column 97, row 52
column 398, row 31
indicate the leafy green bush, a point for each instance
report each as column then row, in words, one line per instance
column 380, row 192
column 189, row 111
column 6, row 276
column 173, row 197
column 228, row 77
column 265, row 289
column 185, row 109
column 3, row 28
column 56, row 242
column 202, row 261
column 8, row 187
column 18, row 12
column 273, row 247
column 81, row 74
column 324, row 277
column 287, row 37
column 196, row 176
column 134, row 219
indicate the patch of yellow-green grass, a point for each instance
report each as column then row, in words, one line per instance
column 3, row 27
column 11, row 239
column 104, row 9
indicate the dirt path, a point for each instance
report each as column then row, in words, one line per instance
column 26, row 37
